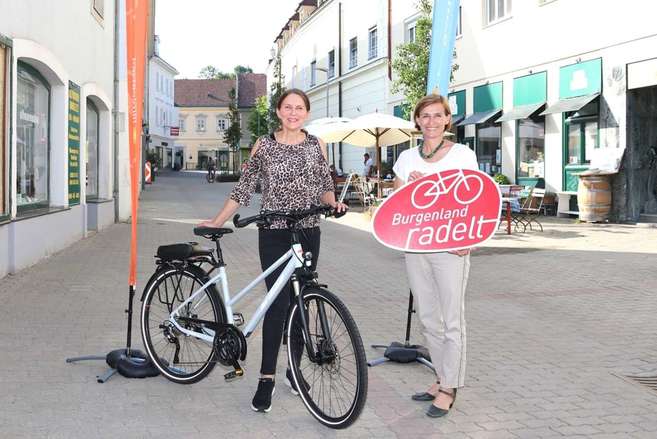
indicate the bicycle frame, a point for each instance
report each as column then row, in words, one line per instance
column 293, row 257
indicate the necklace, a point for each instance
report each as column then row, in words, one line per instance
column 432, row 153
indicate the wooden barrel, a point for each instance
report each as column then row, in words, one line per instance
column 594, row 198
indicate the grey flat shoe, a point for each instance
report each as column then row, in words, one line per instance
column 424, row 396
column 437, row 412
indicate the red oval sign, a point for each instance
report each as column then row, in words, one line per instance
column 449, row 210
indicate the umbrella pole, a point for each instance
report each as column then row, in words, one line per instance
column 378, row 168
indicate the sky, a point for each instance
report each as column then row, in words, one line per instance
column 223, row 33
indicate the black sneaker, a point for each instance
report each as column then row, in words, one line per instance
column 289, row 381
column 262, row 399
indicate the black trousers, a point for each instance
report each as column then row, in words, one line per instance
column 273, row 244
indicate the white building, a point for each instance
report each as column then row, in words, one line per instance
column 349, row 43
column 162, row 114
column 547, row 94
column 60, row 152
column 540, row 92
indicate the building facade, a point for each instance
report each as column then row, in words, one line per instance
column 60, row 151
column 539, row 93
column 339, row 52
column 204, row 117
column 162, row 114
column 560, row 102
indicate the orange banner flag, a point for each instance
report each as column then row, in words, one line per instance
column 136, row 32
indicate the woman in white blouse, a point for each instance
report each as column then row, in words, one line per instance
column 438, row 280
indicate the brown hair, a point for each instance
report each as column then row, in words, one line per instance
column 294, row 91
column 430, row 100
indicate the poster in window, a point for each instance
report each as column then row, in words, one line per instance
column 73, row 144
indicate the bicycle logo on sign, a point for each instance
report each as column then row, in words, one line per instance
column 467, row 189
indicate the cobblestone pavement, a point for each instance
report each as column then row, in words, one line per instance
column 552, row 330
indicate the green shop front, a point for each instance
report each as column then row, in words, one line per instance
column 487, row 103
column 529, row 97
column 580, row 86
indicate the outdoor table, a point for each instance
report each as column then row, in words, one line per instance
column 508, row 201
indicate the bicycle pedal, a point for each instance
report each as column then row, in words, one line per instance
column 234, row 374
column 238, row 319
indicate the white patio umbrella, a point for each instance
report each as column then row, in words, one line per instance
column 374, row 129
column 324, row 127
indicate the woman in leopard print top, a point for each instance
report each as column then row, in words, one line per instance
column 292, row 167
column 292, row 177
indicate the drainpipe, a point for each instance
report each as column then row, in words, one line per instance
column 390, row 40
column 115, row 111
column 340, row 76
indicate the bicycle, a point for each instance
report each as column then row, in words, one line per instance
column 438, row 188
column 211, row 175
column 187, row 326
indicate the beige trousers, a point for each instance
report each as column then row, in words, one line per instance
column 438, row 282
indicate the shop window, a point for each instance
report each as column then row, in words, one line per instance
column 93, row 128
column 531, row 148
column 32, row 138
column 582, row 134
column 4, row 151
column 489, row 154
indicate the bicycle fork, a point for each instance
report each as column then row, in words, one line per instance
column 316, row 357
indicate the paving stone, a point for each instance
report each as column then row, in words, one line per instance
column 554, row 321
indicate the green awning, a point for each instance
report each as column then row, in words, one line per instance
column 521, row 112
column 481, row 117
column 570, row 104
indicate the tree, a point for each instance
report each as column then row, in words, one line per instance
column 239, row 70
column 211, row 72
column 258, row 125
column 233, row 134
column 411, row 63
column 277, row 89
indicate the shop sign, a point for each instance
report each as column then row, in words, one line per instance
column 73, row 144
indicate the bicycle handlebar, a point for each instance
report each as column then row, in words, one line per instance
column 293, row 216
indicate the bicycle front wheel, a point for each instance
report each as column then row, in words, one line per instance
column 210, row 176
column 180, row 357
column 332, row 386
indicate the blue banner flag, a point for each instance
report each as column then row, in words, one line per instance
column 443, row 34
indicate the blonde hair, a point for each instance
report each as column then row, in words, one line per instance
column 430, row 100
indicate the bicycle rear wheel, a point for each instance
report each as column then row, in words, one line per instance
column 333, row 387
column 181, row 358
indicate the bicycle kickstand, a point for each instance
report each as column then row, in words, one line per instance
column 234, row 374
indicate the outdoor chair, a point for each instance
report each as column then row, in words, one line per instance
column 531, row 210
column 363, row 190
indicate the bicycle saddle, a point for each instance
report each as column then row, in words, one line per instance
column 211, row 232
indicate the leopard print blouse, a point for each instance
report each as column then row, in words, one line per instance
column 292, row 177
